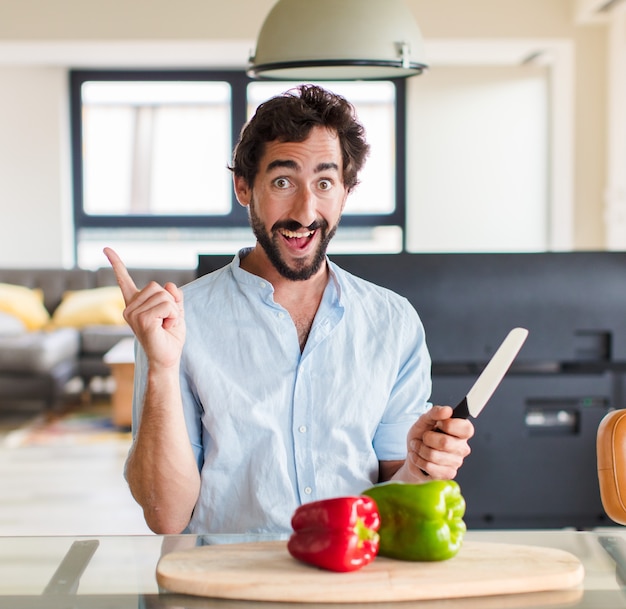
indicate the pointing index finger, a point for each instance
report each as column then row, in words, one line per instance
column 124, row 280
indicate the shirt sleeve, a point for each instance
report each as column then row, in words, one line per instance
column 409, row 397
column 193, row 418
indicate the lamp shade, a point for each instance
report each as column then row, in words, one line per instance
column 338, row 40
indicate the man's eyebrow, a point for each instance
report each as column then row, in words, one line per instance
column 289, row 164
column 326, row 167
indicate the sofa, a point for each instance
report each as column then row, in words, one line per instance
column 57, row 324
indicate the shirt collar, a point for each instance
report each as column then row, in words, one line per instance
column 247, row 278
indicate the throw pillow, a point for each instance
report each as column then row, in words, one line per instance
column 24, row 303
column 96, row 306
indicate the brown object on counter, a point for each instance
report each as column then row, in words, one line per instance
column 611, row 456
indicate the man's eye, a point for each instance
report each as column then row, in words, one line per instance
column 281, row 182
column 325, row 184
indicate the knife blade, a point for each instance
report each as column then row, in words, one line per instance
column 493, row 373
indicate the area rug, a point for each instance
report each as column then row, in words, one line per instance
column 71, row 428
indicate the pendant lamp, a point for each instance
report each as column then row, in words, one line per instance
column 309, row 40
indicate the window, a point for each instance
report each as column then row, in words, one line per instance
column 155, row 148
column 151, row 150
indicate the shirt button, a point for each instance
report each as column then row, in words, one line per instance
column 262, row 284
column 281, row 315
column 308, row 490
column 302, row 428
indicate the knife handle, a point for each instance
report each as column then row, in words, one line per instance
column 461, row 410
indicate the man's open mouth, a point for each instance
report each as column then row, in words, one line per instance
column 297, row 239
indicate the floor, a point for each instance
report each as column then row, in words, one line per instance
column 64, row 489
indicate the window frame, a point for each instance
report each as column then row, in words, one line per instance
column 237, row 218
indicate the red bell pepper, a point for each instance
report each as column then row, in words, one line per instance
column 338, row 534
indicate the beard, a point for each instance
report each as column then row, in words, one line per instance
column 303, row 268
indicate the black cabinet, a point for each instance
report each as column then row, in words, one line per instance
column 533, row 461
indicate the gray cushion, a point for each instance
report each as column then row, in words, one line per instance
column 99, row 339
column 38, row 351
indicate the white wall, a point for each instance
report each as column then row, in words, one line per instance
column 478, row 152
column 35, row 197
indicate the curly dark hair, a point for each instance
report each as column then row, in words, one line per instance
column 289, row 118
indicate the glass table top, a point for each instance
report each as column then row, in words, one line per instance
column 119, row 571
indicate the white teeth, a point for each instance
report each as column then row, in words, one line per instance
column 292, row 234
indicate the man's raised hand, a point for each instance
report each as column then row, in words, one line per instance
column 155, row 314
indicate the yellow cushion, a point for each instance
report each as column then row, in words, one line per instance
column 24, row 303
column 97, row 306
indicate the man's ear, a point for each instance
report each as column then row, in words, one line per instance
column 243, row 192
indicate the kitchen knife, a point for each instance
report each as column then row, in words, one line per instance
column 490, row 377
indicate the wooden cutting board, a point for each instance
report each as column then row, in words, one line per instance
column 265, row 571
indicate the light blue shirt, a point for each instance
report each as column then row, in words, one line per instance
column 273, row 427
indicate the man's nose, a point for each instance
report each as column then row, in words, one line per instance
column 304, row 208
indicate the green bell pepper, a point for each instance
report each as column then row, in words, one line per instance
column 419, row 521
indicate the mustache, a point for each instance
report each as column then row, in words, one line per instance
column 294, row 226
